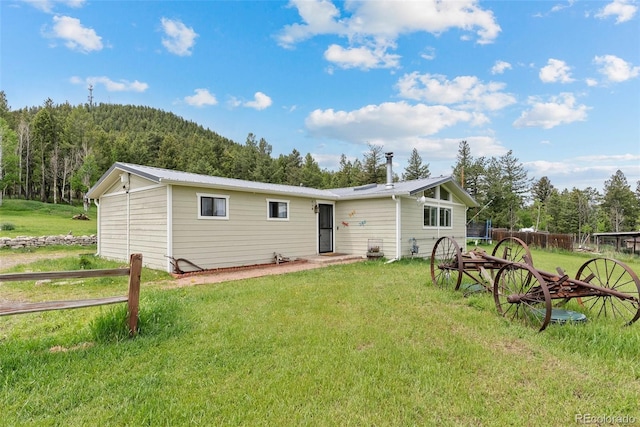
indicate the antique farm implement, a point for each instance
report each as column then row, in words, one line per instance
column 604, row 286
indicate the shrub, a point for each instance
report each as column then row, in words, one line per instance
column 7, row 226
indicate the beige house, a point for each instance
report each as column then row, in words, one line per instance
column 212, row 222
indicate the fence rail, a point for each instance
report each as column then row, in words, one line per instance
column 132, row 299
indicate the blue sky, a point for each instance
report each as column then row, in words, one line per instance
column 556, row 82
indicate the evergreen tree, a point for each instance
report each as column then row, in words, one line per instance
column 620, row 203
column 464, row 163
column 168, row 153
column 373, row 167
column 264, row 162
column 310, row 173
column 505, row 183
column 288, row 168
column 469, row 172
column 5, row 111
column 541, row 190
column 343, row 177
column 560, row 211
column 8, row 160
column 415, row 169
column 46, row 133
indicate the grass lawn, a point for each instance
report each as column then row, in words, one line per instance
column 30, row 218
column 357, row 344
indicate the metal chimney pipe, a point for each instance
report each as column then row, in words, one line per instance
column 389, row 157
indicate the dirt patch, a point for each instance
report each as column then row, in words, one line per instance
column 10, row 259
column 239, row 274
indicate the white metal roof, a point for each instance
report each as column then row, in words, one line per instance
column 166, row 176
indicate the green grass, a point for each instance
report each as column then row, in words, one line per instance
column 357, row 344
column 30, row 218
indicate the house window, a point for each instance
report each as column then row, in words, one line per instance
column 430, row 216
column 278, row 209
column 437, row 217
column 430, row 193
column 444, row 194
column 213, row 206
column 445, row 217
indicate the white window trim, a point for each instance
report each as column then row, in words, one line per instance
column 217, row 196
column 269, row 218
column 435, row 195
column 439, row 195
column 437, row 207
column 450, row 209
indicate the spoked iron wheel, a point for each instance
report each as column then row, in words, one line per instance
column 611, row 274
column 521, row 294
column 446, row 264
column 514, row 250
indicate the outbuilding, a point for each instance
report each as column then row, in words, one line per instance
column 214, row 222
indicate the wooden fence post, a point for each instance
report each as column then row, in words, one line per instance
column 135, row 270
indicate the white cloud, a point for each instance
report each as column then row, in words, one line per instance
column 260, row 101
column 616, row 69
column 201, row 98
column 361, row 57
column 48, row 5
column 556, row 71
column 429, row 53
column 318, row 16
column 233, row 102
column 559, row 110
column 465, row 91
column 559, row 7
column 584, row 171
column 377, row 25
column 611, row 158
column 75, row 36
column 112, row 86
column 179, row 39
column 499, row 67
column 623, row 10
column 384, row 122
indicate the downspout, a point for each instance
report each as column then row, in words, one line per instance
column 169, row 227
column 128, row 224
column 126, row 186
column 97, row 203
column 438, row 218
column 388, row 186
column 398, row 228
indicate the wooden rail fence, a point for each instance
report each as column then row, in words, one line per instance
column 132, row 299
column 540, row 240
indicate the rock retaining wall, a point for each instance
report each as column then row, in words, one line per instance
column 36, row 242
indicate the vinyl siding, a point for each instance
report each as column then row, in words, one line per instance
column 412, row 226
column 358, row 221
column 145, row 208
column 148, row 226
column 247, row 237
column 112, row 226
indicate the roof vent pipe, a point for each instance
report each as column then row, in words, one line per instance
column 389, row 157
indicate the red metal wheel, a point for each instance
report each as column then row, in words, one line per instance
column 612, row 275
column 520, row 293
column 446, row 264
column 514, row 250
